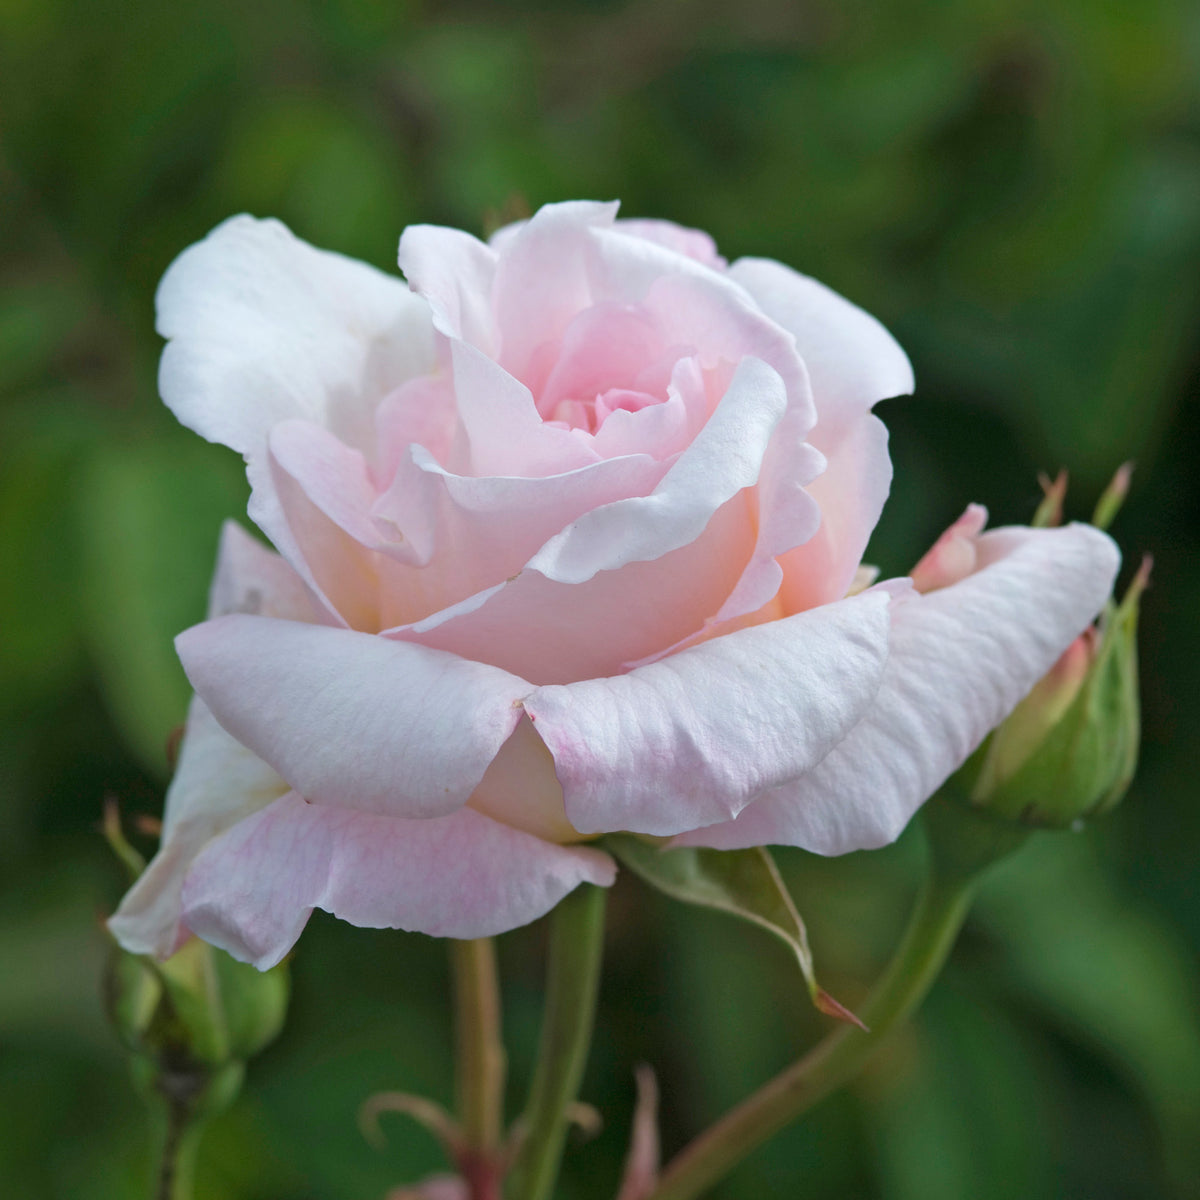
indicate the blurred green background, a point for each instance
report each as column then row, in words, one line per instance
column 1013, row 187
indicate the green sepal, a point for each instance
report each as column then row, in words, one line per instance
column 1086, row 762
column 744, row 883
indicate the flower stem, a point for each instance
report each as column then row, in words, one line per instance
column 480, row 1049
column 573, row 978
column 962, row 846
column 181, row 1134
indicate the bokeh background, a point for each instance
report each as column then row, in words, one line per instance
column 1013, row 187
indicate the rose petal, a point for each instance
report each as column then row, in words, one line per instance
column 467, row 534
column 853, row 363
column 689, row 740
column 850, row 494
column 960, row 659
column 692, row 243
column 352, row 719
column 454, row 272
column 726, row 456
column 852, row 360
column 504, row 429
column 463, row 876
column 551, row 632
column 263, row 327
column 250, row 578
column 648, row 571
column 217, row 783
column 543, row 278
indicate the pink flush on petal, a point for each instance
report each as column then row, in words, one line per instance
column 954, row 555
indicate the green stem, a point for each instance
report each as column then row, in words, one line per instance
column 480, row 1049
column 175, row 1178
column 573, row 978
column 962, row 848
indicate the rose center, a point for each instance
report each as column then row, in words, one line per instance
column 575, row 413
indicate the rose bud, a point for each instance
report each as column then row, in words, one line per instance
column 1070, row 748
column 566, row 540
column 193, row 1019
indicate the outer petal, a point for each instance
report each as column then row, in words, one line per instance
column 689, row 740
column 852, row 360
column 263, row 327
column 250, row 578
column 464, row 876
column 218, row 781
column 853, row 363
column 353, row 719
column 961, row 658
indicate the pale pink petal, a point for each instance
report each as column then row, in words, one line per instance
column 422, row 412
column 852, row 360
column 251, row 890
column 333, row 476
column 216, row 784
column 521, row 790
column 649, row 570
column 605, row 346
column 692, row 243
column 217, row 781
column 531, row 625
column 953, row 556
column 689, row 740
column 850, row 493
column 853, row 363
column 703, row 309
column 504, row 429
column 250, row 578
column 959, row 661
column 467, row 534
column 454, row 272
column 342, row 572
column 262, row 328
column 543, row 278
column 788, row 516
column 725, row 457
column 352, row 719
column 659, row 430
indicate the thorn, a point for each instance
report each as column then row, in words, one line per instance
column 825, row 1003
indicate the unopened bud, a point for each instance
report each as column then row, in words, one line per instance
column 191, row 1021
column 953, row 556
column 1069, row 749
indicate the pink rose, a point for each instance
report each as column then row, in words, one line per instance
column 568, row 536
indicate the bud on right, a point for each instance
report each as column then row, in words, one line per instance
column 1069, row 749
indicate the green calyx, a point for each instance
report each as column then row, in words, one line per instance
column 1069, row 750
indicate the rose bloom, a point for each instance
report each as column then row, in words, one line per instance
column 568, row 535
